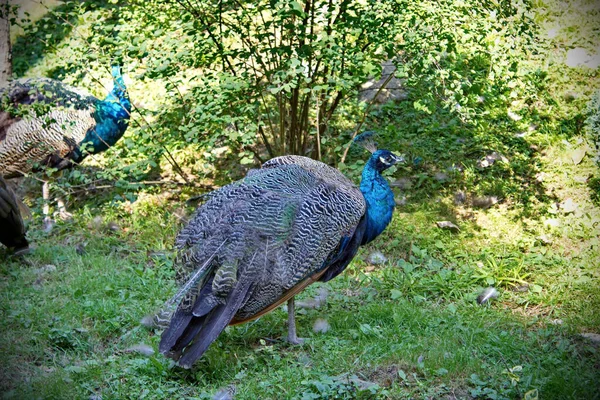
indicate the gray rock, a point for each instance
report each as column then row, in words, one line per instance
column 148, row 321
column 552, row 222
column 376, row 258
column 321, row 326
column 447, row 225
column 142, row 349
column 592, row 337
column 544, row 239
column 460, row 197
column 96, row 223
column 490, row 159
column 400, row 201
column 484, row 202
column 356, row 381
column 112, row 226
column 46, row 268
column 440, row 176
column 394, row 89
column 568, row 206
column 402, row 183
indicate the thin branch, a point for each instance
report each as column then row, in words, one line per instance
column 364, row 117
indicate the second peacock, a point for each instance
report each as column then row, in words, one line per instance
column 257, row 242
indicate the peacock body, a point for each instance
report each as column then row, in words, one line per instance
column 44, row 122
column 259, row 241
column 12, row 229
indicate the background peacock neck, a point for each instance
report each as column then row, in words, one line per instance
column 380, row 200
column 112, row 118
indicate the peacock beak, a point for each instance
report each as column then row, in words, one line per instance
column 397, row 159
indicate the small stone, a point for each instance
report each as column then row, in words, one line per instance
column 484, row 202
column 148, row 321
column 447, row 225
column 142, row 349
column 80, row 248
column 592, row 337
column 552, row 222
column 96, row 223
column 544, row 239
column 540, row 176
column 440, row 177
column 568, row 206
column 46, row 268
column 490, row 159
column 321, row 326
column 402, row 183
column 514, row 116
column 401, row 201
column 460, row 197
column 420, row 359
column 376, row 258
column 557, row 321
column 112, row 226
column 521, row 288
column 577, row 155
column 454, row 168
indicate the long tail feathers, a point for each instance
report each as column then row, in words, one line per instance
column 214, row 324
column 191, row 332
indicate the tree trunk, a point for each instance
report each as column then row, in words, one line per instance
column 5, row 50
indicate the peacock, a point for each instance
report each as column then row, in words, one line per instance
column 12, row 229
column 257, row 242
column 46, row 123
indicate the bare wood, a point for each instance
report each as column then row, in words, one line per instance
column 5, row 49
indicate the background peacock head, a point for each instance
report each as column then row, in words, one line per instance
column 118, row 94
column 380, row 159
column 112, row 117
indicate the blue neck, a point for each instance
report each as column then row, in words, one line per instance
column 380, row 200
column 111, row 115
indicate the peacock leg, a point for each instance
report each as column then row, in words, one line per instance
column 292, row 338
column 62, row 210
column 46, row 208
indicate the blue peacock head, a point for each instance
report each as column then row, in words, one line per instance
column 112, row 118
column 119, row 94
column 380, row 159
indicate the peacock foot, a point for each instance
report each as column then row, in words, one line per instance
column 296, row 340
column 65, row 215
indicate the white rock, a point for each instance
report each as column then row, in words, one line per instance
column 376, row 258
